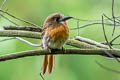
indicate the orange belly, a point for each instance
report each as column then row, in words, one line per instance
column 58, row 33
column 58, row 36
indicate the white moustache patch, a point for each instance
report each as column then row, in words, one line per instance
column 62, row 22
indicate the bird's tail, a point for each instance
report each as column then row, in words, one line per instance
column 48, row 62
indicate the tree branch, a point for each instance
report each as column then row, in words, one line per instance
column 18, row 33
column 56, row 52
column 90, row 42
column 87, row 46
column 79, row 44
column 78, row 41
column 24, row 28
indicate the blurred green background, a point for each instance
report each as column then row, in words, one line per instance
column 67, row 67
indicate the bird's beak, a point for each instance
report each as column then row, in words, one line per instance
column 66, row 18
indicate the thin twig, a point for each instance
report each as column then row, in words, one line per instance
column 106, row 68
column 111, row 56
column 115, row 44
column 113, row 17
column 42, row 76
column 78, row 26
column 114, row 39
column 108, row 53
column 117, row 19
column 28, row 42
column 105, row 33
column 94, row 23
column 9, row 20
column 112, row 8
column 4, row 1
column 85, row 20
column 19, row 19
column 23, row 40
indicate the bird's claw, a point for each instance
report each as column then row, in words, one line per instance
column 63, row 49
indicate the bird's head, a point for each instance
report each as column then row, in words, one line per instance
column 56, row 18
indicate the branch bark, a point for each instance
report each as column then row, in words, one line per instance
column 24, row 28
column 19, row 33
column 74, row 51
column 85, row 46
column 78, row 41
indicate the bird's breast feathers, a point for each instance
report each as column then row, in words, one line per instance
column 58, row 33
column 57, row 36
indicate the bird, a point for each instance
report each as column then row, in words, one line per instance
column 55, row 33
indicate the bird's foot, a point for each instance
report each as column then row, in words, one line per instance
column 53, row 50
column 63, row 49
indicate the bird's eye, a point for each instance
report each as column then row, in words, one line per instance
column 56, row 19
